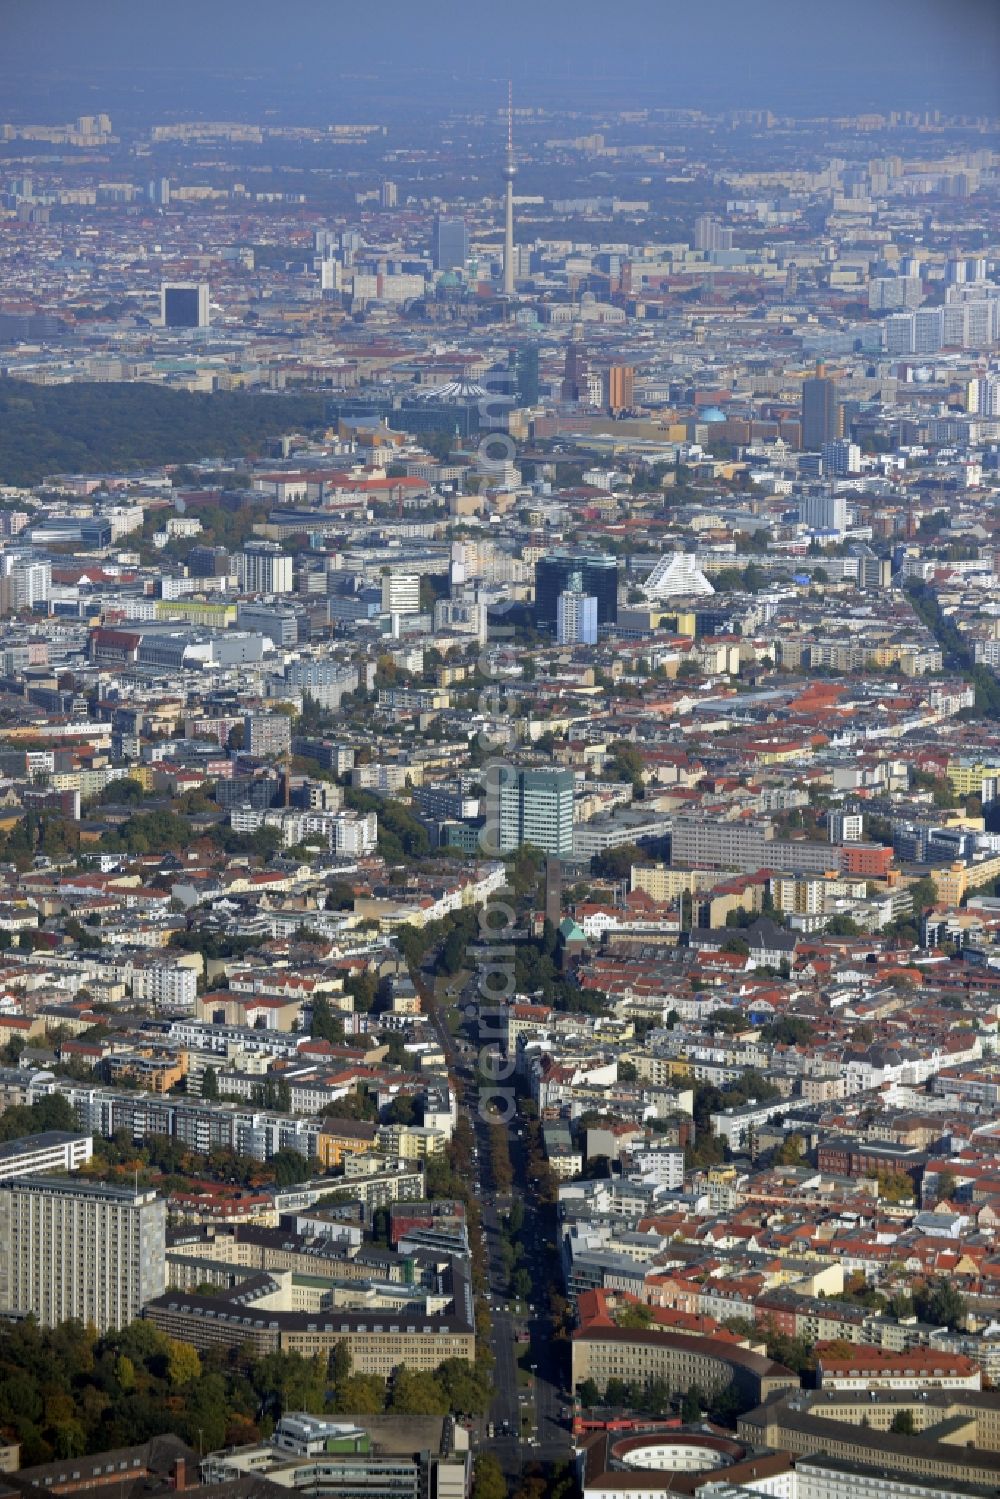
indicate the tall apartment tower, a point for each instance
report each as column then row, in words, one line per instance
column 80, row 1250
column 509, row 173
column 262, row 567
column 267, row 734
column 576, row 619
column 388, row 194
column 824, row 512
column 983, row 395
column 28, row 581
column 822, row 418
column 532, row 806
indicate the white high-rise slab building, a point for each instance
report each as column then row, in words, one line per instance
column 401, row 593
column 262, row 567
column 824, row 512
column 983, row 396
column 576, row 619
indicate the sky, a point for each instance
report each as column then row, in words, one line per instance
column 61, row 57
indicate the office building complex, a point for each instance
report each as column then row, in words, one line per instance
column 821, row 414
column 533, row 806
column 845, row 827
column 451, row 243
column 967, row 324
column 646, row 1354
column 184, row 304
column 325, row 682
column 80, row 1251
column 267, row 1312
column 404, row 1457
column 886, row 293
column 568, row 572
column 466, row 615
column 278, row 622
column 851, row 1431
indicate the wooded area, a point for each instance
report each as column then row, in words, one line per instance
column 88, row 428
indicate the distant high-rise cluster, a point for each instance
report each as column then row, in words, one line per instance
column 710, row 235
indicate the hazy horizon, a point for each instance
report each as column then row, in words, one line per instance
column 309, row 59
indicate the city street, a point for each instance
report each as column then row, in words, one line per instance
column 545, row 1436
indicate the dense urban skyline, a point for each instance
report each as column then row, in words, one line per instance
column 500, row 750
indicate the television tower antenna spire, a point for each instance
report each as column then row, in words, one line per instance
column 509, row 172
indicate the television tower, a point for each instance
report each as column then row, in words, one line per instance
column 509, row 173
